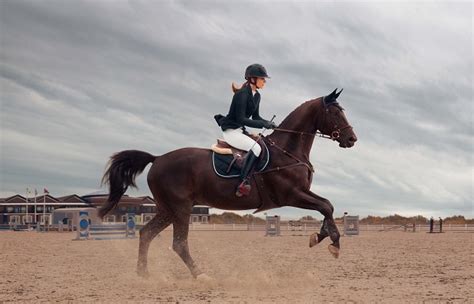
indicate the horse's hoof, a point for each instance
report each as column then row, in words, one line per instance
column 204, row 278
column 333, row 250
column 143, row 273
column 313, row 240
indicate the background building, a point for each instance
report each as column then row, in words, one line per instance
column 18, row 209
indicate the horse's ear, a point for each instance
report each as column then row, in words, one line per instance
column 331, row 97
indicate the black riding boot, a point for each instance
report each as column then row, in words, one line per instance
column 244, row 187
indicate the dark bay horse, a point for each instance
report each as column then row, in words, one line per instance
column 185, row 177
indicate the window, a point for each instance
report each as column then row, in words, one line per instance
column 148, row 218
column 44, row 220
column 27, row 219
column 200, row 210
column 109, row 219
column 10, row 209
column 14, row 219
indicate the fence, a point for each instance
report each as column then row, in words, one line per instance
column 107, row 231
column 286, row 229
column 418, row 227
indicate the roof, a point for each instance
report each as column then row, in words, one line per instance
column 41, row 203
column 15, row 198
column 73, row 198
column 100, row 192
column 44, row 197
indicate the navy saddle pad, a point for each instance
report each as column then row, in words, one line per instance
column 221, row 163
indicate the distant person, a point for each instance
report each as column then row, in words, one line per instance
column 245, row 104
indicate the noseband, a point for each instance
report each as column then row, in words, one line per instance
column 335, row 134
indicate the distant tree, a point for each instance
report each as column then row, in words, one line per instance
column 250, row 219
column 458, row 219
column 393, row 220
column 396, row 219
column 233, row 218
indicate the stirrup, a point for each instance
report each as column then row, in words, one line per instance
column 243, row 189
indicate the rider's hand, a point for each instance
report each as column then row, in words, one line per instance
column 269, row 125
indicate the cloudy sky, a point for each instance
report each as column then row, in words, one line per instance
column 81, row 80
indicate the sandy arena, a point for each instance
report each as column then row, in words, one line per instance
column 374, row 267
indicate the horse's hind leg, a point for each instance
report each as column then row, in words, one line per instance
column 180, row 243
column 161, row 220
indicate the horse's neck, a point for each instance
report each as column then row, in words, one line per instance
column 302, row 119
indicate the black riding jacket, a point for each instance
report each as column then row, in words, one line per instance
column 243, row 106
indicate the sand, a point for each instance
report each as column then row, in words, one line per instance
column 246, row 267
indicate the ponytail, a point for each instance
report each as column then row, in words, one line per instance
column 235, row 88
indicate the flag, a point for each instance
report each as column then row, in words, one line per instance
column 36, row 192
column 45, row 190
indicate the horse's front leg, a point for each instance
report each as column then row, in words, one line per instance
column 311, row 201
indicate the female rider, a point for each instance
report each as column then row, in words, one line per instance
column 245, row 104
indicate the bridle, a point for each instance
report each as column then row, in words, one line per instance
column 335, row 134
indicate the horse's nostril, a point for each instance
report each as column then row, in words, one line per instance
column 353, row 139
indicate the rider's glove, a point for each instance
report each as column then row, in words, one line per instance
column 269, row 125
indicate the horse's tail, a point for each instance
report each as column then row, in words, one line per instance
column 120, row 173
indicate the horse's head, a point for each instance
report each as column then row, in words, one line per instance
column 334, row 123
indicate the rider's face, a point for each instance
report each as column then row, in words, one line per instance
column 260, row 83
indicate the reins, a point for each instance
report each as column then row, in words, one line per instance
column 299, row 161
column 293, row 131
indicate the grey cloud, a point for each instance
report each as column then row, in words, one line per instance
column 83, row 80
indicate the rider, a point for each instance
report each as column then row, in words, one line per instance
column 245, row 104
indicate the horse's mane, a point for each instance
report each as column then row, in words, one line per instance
column 300, row 109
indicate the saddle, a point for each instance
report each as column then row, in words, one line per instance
column 222, row 147
column 228, row 161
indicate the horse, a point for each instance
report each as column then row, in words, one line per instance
column 182, row 178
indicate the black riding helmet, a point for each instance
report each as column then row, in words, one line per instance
column 255, row 70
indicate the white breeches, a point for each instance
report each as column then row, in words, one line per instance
column 236, row 138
